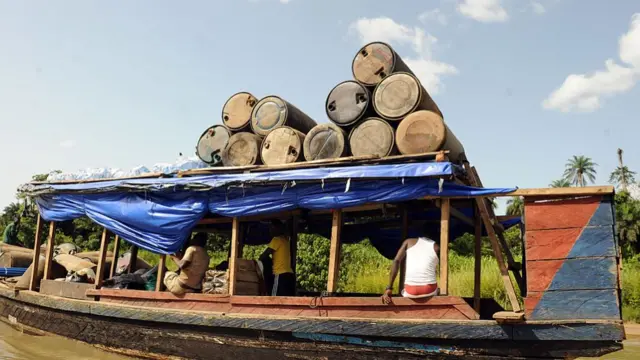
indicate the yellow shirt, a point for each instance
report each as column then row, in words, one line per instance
column 281, row 255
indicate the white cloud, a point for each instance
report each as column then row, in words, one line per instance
column 538, row 8
column 384, row 29
column 434, row 15
column 67, row 144
column 483, row 10
column 584, row 93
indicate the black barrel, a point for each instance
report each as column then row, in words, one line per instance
column 243, row 149
column 349, row 102
column 374, row 62
column 325, row 141
column 273, row 112
column 211, row 144
column 236, row 112
column 373, row 136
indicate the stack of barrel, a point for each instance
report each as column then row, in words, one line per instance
column 386, row 110
column 269, row 131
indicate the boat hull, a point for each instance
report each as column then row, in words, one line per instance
column 156, row 334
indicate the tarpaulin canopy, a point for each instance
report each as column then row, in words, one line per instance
column 161, row 217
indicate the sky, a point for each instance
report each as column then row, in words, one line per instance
column 523, row 84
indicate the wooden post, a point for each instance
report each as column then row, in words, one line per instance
column 133, row 259
column 102, row 256
column 36, row 256
column 235, row 248
column 445, row 214
column 293, row 245
column 404, row 234
column 114, row 259
column 334, row 255
column 477, row 261
column 49, row 255
column 161, row 271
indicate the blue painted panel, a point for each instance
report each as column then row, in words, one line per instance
column 586, row 274
column 577, row 304
column 569, row 332
column 594, row 241
column 604, row 213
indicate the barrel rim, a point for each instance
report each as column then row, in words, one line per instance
column 253, row 112
column 206, row 131
column 444, row 135
column 393, row 52
column 225, row 105
column 364, row 110
column 308, row 137
column 415, row 106
column 296, row 131
column 238, row 135
column 393, row 135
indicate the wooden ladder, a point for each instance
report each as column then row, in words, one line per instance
column 495, row 231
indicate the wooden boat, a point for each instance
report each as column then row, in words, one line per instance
column 569, row 278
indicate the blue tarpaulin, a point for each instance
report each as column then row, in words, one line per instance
column 161, row 217
column 12, row 271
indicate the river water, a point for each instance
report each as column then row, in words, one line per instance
column 16, row 345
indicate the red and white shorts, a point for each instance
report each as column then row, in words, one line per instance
column 419, row 291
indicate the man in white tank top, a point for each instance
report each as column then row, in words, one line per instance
column 420, row 277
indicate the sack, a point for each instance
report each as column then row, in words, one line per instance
column 215, row 282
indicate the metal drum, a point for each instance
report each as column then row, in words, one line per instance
column 283, row 145
column 236, row 112
column 373, row 136
column 325, row 141
column 243, row 149
column 400, row 94
column 349, row 102
column 374, row 62
column 425, row 131
column 211, row 144
column 273, row 112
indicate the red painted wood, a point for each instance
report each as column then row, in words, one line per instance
column 541, row 273
column 344, row 301
column 152, row 295
column 560, row 214
column 550, row 244
column 530, row 302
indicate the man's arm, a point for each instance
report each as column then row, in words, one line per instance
column 183, row 262
column 265, row 254
column 395, row 266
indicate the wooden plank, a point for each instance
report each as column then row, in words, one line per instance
column 49, row 254
column 404, row 235
column 235, row 248
column 33, row 282
column 444, row 245
column 477, row 262
column 572, row 274
column 568, row 191
column 573, row 304
column 344, row 301
column 568, row 213
column 151, row 295
column 570, row 243
column 508, row 316
column 104, row 241
column 133, row 259
column 65, row 289
column 162, row 268
column 293, row 248
column 576, row 332
column 334, row 253
column 114, row 258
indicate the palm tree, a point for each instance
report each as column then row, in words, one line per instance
column 579, row 169
column 560, row 183
column 622, row 175
column 515, row 206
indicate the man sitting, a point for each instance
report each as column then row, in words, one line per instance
column 422, row 261
column 193, row 266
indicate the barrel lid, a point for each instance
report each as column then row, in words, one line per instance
column 347, row 102
column 211, row 144
column 420, row 132
column 397, row 95
column 324, row 141
column 373, row 63
column 243, row 149
column 268, row 114
column 282, row 146
column 372, row 137
column 236, row 112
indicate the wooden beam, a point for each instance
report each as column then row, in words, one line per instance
column 293, row 246
column 568, row 191
column 235, row 248
column 33, row 283
column 445, row 214
column 334, row 254
column 102, row 258
column 114, row 259
column 477, row 276
column 49, row 255
column 162, row 267
column 133, row 259
column 462, row 217
column 404, row 235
